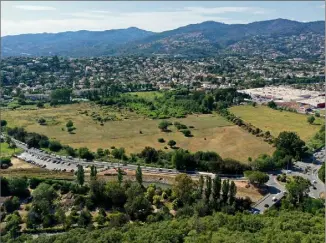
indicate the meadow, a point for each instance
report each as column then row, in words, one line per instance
column 5, row 151
column 277, row 121
column 132, row 131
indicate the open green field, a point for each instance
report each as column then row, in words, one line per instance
column 149, row 95
column 134, row 132
column 276, row 121
column 6, row 151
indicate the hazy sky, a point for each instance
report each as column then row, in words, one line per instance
column 18, row 17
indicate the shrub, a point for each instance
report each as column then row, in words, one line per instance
column 55, row 146
column 186, row 132
column 161, row 140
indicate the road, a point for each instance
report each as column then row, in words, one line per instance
column 275, row 190
column 303, row 169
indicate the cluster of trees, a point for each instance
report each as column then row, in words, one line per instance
column 60, row 96
column 276, row 226
column 318, row 141
column 289, row 147
column 130, row 201
column 176, row 103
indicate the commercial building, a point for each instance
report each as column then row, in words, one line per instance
column 285, row 94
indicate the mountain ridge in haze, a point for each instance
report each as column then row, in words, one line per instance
column 202, row 39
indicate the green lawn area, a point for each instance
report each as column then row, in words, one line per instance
column 7, row 152
column 132, row 131
column 276, row 121
column 149, row 95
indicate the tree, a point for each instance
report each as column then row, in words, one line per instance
column 18, row 187
column 85, row 218
column 208, row 189
column 186, row 132
column 60, row 96
column 183, row 188
column 11, row 204
column 100, row 152
column 216, row 188
column 163, row 125
column 84, row 153
column 149, row 154
column 69, row 124
column 137, row 206
column 225, row 190
column 40, row 104
column 272, row 104
column 60, row 216
column 13, row 225
column 172, row 143
column 55, row 146
column 116, row 194
column 201, row 185
column 232, row 192
column 310, row 119
column 139, row 175
column 264, row 162
column 256, row 177
column 120, row 176
column 80, row 175
column 291, row 144
column 93, row 172
column 3, row 123
column 208, row 102
column 118, row 153
column 298, row 188
column 182, row 160
column 42, row 121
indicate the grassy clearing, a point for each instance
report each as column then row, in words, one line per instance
column 7, row 152
column 149, row 95
column 134, row 132
column 276, row 121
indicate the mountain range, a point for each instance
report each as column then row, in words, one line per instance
column 207, row 38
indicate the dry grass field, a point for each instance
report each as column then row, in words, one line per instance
column 276, row 121
column 134, row 132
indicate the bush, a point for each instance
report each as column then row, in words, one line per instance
column 42, row 121
column 55, row 146
column 172, row 143
column 186, row 132
column 161, row 140
column 5, row 161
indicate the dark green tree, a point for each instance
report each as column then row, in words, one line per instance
column 225, row 190
column 201, row 185
column 310, row 119
column 291, row 144
column 80, row 175
column 120, row 176
column 232, row 192
column 208, row 189
column 139, row 175
column 216, row 188
column 93, row 172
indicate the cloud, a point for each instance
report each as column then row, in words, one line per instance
column 156, row 21
column 86, row 15
column 100, row 11
column 35, row 7
column 224, row 10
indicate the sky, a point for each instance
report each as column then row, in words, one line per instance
column 21, row 17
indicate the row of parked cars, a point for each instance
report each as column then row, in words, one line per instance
column 49, row 160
